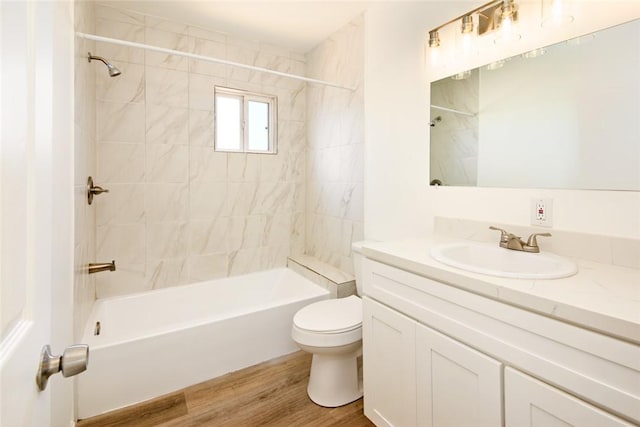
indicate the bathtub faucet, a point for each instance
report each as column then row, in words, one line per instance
column 98, row 267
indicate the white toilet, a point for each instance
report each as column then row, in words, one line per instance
column 332, row 331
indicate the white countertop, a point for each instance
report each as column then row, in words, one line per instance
column 601, row 297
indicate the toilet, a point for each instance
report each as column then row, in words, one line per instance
column 331, row 330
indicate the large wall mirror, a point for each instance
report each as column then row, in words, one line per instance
column 564, row 117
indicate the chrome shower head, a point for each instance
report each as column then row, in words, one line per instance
column 113, row 70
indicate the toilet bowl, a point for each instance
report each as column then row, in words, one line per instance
column 331, row 330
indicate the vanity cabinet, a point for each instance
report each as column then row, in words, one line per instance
column 417, row 376
column 456, row 385
column 436, row 355
column 389, row 365
column 529, row 402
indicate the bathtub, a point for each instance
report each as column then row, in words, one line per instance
column 153, row 343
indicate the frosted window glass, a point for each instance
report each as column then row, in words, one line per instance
column 258, row 126
column 228, row 126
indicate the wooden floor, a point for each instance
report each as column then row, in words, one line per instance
column 273, row 393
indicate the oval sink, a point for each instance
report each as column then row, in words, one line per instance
column 496, row 261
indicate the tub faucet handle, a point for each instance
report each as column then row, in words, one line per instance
column 93, row 190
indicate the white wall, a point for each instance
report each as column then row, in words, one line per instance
column 398, row 201
column 397, row 115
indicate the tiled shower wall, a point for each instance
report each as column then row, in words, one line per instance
column 85, row 165
column 178, row 212
column 335, row 157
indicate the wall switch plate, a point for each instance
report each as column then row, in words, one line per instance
column 542, row 212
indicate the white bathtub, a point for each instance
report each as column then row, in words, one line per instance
column 156, row 342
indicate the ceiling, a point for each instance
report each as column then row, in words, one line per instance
column 297, row 25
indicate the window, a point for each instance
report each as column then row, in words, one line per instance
column 244, row 121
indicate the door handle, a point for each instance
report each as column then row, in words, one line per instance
column 73, row 361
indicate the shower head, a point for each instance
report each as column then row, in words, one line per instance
column 113, row 70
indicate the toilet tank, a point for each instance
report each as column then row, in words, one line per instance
column 356, row 255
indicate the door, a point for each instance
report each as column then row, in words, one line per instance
column 388, row 340
column 456, row 385
column 529, row 402
column 36, row 210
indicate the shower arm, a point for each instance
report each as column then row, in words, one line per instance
column 113, row 70
column 99, row 58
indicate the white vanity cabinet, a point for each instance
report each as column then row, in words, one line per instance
column 436, row 355
column 417, row 376
column 389, row 365
column 455, row 384
column 529, row 402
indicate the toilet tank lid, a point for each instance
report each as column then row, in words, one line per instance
column 330, row 316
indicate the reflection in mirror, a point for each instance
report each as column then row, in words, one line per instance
column 567, row 116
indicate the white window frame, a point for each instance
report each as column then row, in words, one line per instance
column 245, row 97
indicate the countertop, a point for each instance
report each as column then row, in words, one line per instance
column 600, row 297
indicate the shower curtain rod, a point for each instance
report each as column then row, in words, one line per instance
column 207, row 59
column 451, row 110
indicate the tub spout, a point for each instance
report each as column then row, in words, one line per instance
column 98, row 267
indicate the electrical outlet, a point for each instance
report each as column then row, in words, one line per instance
column 542, row 212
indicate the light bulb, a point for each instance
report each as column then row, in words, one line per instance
column 508, row 29
column 556, row 12
column 435, row 56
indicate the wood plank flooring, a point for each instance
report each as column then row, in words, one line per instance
column 273, row 393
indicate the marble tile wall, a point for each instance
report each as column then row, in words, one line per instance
column 85, row 165
column 335, row 156
column 177, row 211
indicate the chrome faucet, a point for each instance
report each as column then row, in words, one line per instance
column 98, row 267
column 511, row 241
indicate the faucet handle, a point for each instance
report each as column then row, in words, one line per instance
column 533, row 242
column 504, row 234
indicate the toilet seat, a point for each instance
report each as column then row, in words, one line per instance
column 329, row 323
column 333, row 316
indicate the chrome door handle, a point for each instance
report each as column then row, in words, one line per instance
column 73, row 361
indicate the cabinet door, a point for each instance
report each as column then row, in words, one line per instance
column 457, row 386
column 529, row 402
column 388, row 366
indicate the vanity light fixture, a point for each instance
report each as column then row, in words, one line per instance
column 434, row 39
column 467, row 35
column 434, row 44
column 508, row 18
column 467, row 24
column 497, row 15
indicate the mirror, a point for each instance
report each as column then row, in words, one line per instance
column 566, row 116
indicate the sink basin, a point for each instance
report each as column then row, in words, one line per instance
column 493, row 260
